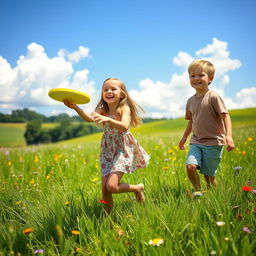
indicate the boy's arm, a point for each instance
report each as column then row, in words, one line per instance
column 228, row 126
column 79, row 111
column 185, row 135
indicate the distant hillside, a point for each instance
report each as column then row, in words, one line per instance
column 12, row 134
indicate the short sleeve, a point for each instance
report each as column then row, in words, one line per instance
column 218, row 104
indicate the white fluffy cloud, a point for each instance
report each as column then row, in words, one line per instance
column 28, row 83
column 168, row 99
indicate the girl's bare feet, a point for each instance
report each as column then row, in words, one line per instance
column 140, row 197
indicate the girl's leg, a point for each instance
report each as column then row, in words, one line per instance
column 211, row 180
column 193, row 176
column 114, row 186
column 106, row 195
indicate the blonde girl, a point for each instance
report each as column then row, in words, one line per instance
column 120, row 151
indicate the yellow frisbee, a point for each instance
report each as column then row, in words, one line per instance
column 74, row 96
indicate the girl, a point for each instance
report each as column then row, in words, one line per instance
column 120, row 152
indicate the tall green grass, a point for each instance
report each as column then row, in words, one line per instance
column 55, row 189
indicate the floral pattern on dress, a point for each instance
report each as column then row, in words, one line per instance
column 121, row 152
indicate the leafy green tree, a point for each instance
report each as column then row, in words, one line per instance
column 33, row 132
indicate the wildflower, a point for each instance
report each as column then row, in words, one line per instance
column 166, row 159
column 95, row 179
column 156, row 241
column 213, row 253
column 247, row 230
column 165, row 168
column 39, row 251
column 220, row 223
column 197, row 193
column 243, row 153
column 77, row 249
column 27, row 231
column 119, row 231
column 36, row 159
column 103, row 202
column 48, row 177
column 238, row 168
column 32, row 182
column 254, row 191
column 250, row 139
column 246, row 188
column 57, row 157
column 226, row 238
column 75, row 232
column 67, row 203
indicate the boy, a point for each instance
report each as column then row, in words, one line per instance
column 210, row 123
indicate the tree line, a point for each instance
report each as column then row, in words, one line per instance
column 26, row 115
column 68, row 127
column 36, row 134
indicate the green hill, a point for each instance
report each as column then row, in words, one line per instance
column 11, row 134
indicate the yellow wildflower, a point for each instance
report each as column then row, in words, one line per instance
column 75, row 232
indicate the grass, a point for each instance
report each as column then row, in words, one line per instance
column 54, row 190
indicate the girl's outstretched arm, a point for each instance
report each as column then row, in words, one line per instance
column 79, row 111
column 122, row 125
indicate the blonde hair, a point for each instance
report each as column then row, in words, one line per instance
column 205, row 65
column 124, row 101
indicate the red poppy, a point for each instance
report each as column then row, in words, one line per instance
column 103, row 202
column 246, row 188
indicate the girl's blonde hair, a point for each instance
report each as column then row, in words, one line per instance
column 124, row 101
column 205, row 65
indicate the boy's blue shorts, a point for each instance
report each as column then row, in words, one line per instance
column 207, row 158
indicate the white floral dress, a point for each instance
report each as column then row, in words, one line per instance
column 120, row 152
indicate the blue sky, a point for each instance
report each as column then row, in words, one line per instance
column 148, row 44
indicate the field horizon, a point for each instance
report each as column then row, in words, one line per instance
column 11, row 134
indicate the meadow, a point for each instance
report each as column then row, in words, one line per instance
column 50, row 199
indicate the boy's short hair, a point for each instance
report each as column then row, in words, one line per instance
column 207, row 67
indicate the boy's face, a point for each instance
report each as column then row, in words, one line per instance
column 200, row 80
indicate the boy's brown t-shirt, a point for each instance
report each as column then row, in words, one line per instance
column 207, row 126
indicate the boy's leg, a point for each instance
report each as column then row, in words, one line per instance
column 106, row 195
column 211, row 180
column 193, row 163
column 193, row 176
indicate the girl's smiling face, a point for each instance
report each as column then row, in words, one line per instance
column 111, row 92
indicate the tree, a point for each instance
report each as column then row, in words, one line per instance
column 33, row 132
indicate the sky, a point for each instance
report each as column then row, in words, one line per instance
column 148, row 44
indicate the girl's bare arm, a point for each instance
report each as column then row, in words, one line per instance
column 79, row 111
column 122, row 125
